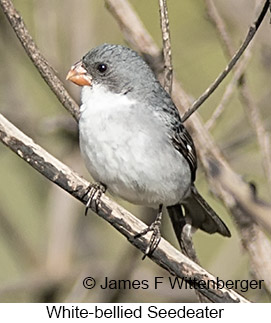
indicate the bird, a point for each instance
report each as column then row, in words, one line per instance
column 133, row 141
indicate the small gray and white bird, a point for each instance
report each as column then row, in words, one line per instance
column 133, row 141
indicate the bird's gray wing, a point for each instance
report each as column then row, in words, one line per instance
column 180, row 137
column 183, row 142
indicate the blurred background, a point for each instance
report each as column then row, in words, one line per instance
column 47, row 245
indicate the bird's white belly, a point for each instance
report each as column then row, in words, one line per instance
column 134, row 162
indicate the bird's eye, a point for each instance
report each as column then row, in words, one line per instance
column 102, row 68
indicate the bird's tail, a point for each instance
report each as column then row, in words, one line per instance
column 201, row 214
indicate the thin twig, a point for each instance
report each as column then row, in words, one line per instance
column 259, row 128
column 220, row 26
column 238, row 73
column 165, row 255
column 250, row 35
column 44, row 68
column 164, row 21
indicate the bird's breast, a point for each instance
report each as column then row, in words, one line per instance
column 125, row 147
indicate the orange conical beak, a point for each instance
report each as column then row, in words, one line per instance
column 79, row 75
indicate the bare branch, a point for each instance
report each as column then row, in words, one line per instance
column 132, row 27
column 44, row 68
column 220, row 26
column 238, row 73
column 168, row 70
column 250, row 35
column 259, row 128
column 165, row 255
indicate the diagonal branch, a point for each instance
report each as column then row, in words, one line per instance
column 44, row 68
column 251, row 33
column 238, row 74
column 128, row 225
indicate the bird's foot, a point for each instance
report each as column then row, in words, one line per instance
column 94, row 194
column 156, row 234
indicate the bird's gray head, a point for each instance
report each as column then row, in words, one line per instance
column 119, row 69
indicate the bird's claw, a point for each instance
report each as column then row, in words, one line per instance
column 155, row 237
column 154, row 241
column 94, row 194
